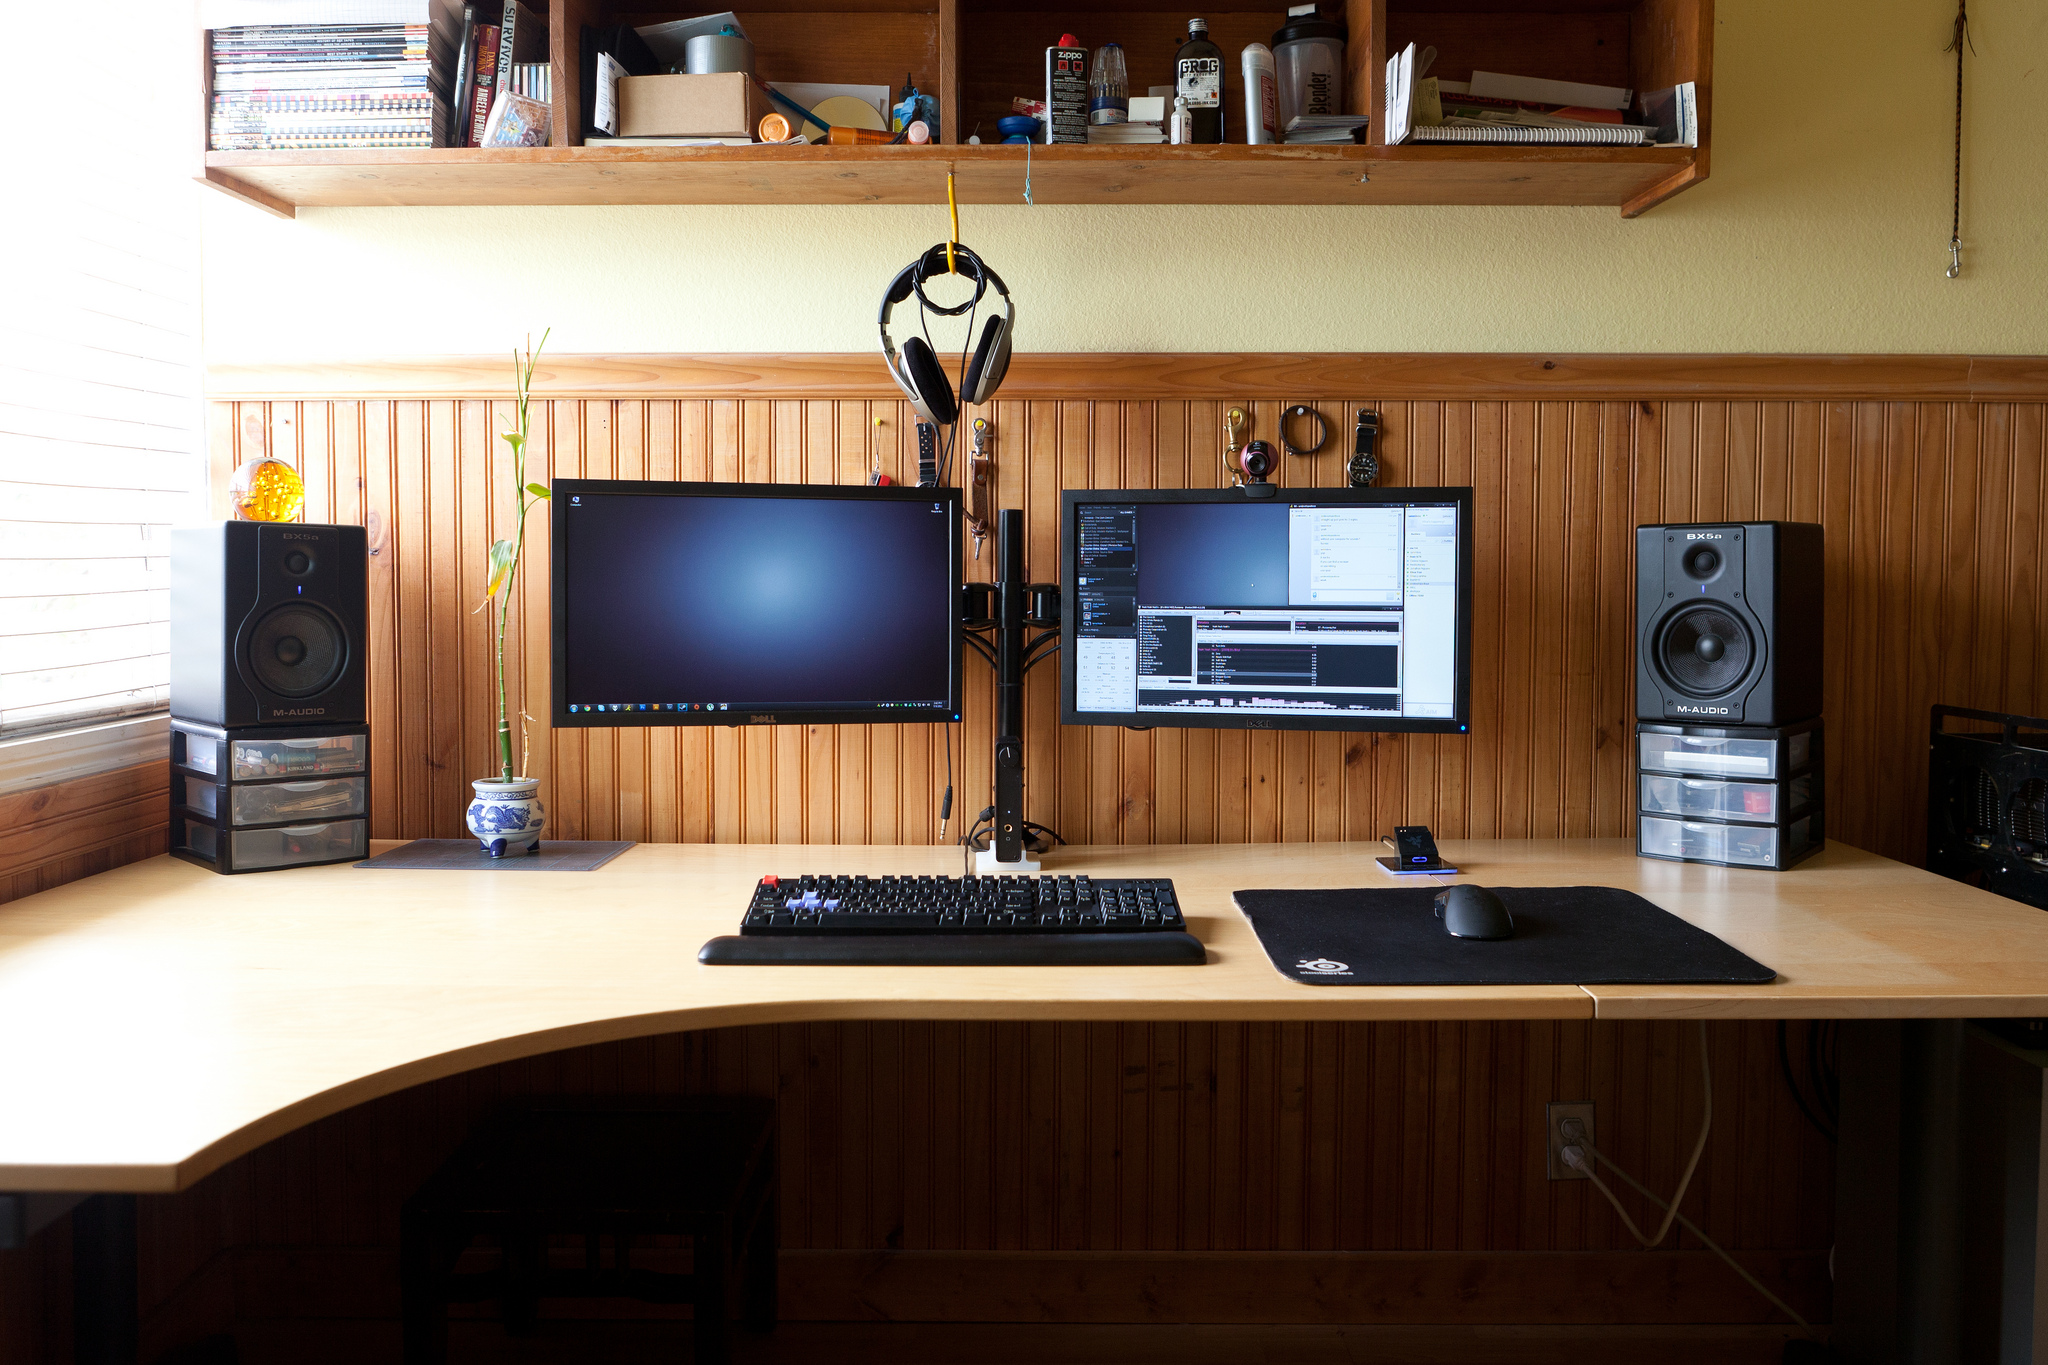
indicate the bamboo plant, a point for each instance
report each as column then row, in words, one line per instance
column 505, row 553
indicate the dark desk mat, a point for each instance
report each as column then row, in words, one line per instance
column 1564, row 936
column 467, row 855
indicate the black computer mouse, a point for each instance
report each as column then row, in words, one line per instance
column 1473, row 912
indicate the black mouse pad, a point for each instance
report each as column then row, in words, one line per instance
column 1564, row 936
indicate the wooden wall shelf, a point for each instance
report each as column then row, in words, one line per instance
column 917, row 175
column 976, row 53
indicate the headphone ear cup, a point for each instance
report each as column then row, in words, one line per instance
column 991, row 361
column 928, row 382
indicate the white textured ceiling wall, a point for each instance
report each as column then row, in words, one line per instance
column 1823, row 229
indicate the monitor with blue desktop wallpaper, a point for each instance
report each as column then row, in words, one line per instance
column 728, row 604
column 1313, row 609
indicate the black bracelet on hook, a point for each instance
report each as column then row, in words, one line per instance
column 1322, row 429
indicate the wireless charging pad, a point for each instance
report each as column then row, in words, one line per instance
column 1394, row 867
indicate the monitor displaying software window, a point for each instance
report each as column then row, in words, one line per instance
column 728, row 604
column 1315, row 609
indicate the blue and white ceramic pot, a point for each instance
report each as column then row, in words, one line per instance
column 506, row 817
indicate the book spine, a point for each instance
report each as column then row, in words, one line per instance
column 507, row 31
column 486, row 84
column 465, row 72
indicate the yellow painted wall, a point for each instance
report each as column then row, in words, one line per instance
column 1823, row 229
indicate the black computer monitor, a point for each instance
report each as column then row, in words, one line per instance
column 1312, row 609
column 735, row 603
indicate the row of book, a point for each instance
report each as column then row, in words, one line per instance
column 535, row 80
column 307, row 87
column 503, row 51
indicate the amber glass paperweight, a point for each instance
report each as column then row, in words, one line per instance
column 267, row 490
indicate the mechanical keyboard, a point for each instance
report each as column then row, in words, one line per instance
column 961, row 921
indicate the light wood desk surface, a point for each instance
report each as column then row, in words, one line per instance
column 159, row 1020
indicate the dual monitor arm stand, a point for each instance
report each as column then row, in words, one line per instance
column 1018, row 606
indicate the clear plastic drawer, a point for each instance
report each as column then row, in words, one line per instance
column 1765, row 803
column 293, row 844
column 198, row 752
column 300, row 757
column 194, row 794
column 199, row 839
column 275, row 802
column 1710, row 757
column 1737, row 845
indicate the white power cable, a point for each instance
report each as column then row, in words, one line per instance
column 1575, row 1157
column 1684, row 1181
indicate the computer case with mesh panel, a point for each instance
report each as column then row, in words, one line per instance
column 1987, row 801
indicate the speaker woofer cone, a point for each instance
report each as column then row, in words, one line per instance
column 1704, row 650
column 297, row 650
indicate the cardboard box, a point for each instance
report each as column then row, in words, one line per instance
column 725, row 105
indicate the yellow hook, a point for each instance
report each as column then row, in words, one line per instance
column 952, row 205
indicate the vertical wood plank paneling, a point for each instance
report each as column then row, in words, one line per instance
column 1935, row 589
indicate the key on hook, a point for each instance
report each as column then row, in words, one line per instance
column 979, row 466
column 1236, row 426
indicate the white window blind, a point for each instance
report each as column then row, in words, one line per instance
column 100, row 412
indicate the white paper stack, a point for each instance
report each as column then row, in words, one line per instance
column 1126, row 134
column 1324, row 129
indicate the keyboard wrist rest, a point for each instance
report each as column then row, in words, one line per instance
column 958, row 950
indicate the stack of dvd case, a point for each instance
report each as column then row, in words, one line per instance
column 298, row 87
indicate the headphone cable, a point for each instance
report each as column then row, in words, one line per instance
column 924, row 324
column 960, row 401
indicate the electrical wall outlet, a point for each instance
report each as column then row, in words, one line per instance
column 1554, row 1115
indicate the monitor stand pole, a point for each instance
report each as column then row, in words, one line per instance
column 1005, row 854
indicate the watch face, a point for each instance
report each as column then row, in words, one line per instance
column 1365, row 469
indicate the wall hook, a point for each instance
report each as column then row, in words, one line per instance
column 952, row 207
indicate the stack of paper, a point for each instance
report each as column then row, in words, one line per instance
column 1126, row 134
column 1335, row 129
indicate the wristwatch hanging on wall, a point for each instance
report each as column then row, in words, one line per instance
column 1364, row 469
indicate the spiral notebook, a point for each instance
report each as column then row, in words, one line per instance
column 1586, row 135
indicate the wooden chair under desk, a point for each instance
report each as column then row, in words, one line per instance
column 161, row 1021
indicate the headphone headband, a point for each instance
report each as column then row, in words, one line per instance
column 911, row 279
column 916, row 370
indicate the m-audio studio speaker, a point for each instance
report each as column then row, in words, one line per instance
column 1729, row 623
column 268, row 621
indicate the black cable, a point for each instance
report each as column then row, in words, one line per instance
column 987, row 820
column 946, row 805
column 1955, row 222
column 1033, row 827
column 1827, row 1082
column 981, row 647
column 1798, row 1096
column 960, row 398
column 924, row 324
column 1036, row 659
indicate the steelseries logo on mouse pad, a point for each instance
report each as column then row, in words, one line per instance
column 1322, row 966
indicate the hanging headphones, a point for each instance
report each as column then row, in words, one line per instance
column 916, row 370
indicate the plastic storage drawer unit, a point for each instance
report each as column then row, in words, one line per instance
column 1740, row 796
column 251, row 800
